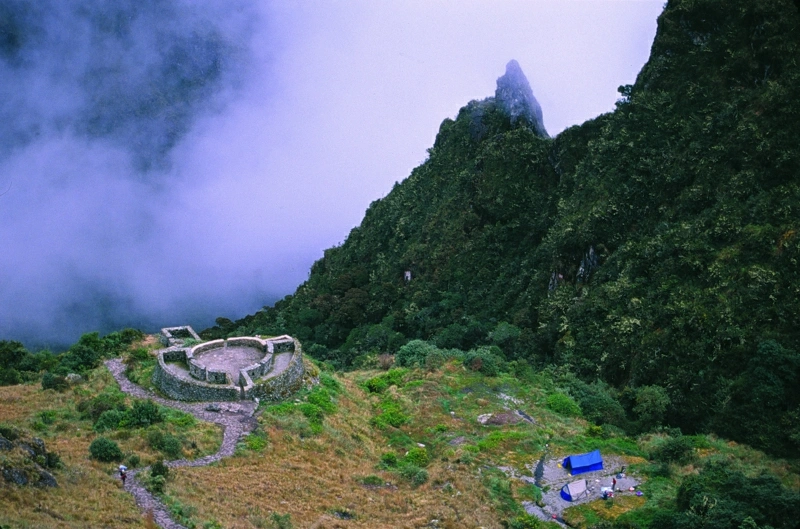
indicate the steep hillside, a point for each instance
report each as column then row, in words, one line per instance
column 654, row 248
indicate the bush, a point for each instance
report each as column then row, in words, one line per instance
column 52, row 381
column 417, row 476
column 159, row 469
column 417, row 456
column 414, row 353
column 678, row 449
column 563, row 405
column 320, row 397
column 372, row 481
column 486, row 360
column 156, row 484
column 172, row 446
column 389, row 459
column 105, row 450
column 109, row 420
column 391, row 415
column 107, row 400
column 165, row 442
column 393, row 377
column 143, row 413
column 10, row 377
column 9, row 432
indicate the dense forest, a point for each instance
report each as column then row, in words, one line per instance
column 650, row 254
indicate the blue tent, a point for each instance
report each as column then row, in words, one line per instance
column 573, row 491
column 578, row 464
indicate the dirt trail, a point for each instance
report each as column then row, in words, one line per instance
column 235, row 418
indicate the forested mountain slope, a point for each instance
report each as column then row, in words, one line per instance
column 654, row 249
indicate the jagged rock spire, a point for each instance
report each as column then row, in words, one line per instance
column 514, row 96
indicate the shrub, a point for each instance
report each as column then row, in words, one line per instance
column 417, row 476
column 486, row 360
column 143, row 413
column 320, row 397
column 105, row 450
column 372, row 481
column 391, row 415
column 107, row 400
column 312, row 412
column 417, row 456
column 9, row 432
column 393, row 377
column 9, row 377
column 563, row 405
column 329, row 382
column 109, row 420
column 52, row 381
column 134, row 460
column 172, row 446
column 389, row 459
column 255, row 442
column 52, row 460
column 159, row 469
column 155, row 438
column 678, row 449
column 414, row 353
column 156, row 484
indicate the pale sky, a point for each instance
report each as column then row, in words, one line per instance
column 320, row 107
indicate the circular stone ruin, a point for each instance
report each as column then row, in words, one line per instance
column 230, row 369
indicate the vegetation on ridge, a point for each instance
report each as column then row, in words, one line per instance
column 653, row 250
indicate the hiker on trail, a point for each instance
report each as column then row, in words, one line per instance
column 613, row 483
column 123, row 473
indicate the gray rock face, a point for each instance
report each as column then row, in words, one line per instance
column 515, row 97
column 15, row 476
column 46, row 479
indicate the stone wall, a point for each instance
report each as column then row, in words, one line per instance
column 169, row 335
column 183, row 389
column 246, row 341
column 217, row 385
column 286, row 383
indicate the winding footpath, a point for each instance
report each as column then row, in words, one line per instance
column 235, row 418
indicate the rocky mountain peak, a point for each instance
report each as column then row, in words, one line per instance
column 515, row 96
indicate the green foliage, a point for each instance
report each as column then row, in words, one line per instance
column 391, row 414
column 563, row 405
column 389, row 460
column 654, row 248
column 393, row 377
column 321, row 397
column 525, row 521
column 679, row 449
column 372, row 481
column 156, row 484
column 417, row 456
column 108, row 420
column 159, row 469
column 414, row 353
column 167, row 443
column 721, row 496
column 143, row 413
column 52, row 381
column 414, row 474
column 486, row 360
column 651, row 405
column 281, row 521
column 105, row 450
